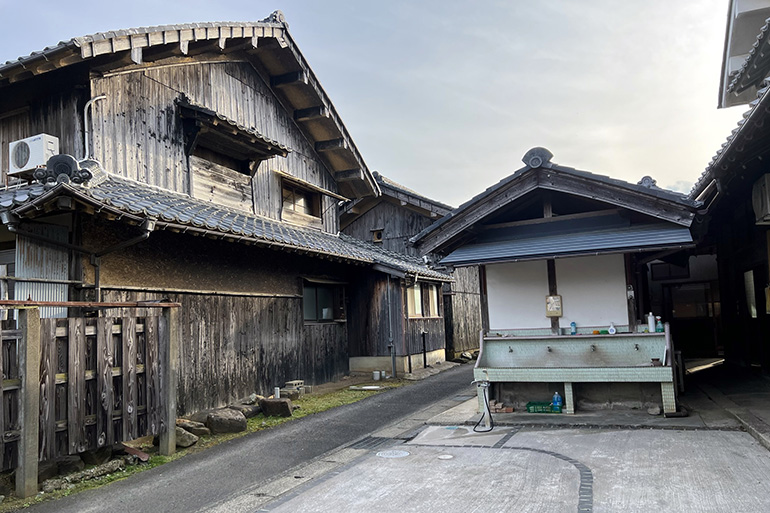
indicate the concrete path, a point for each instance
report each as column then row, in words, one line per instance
column 545, row 470
column 201, row 481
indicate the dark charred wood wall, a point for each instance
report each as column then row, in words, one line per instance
column 742, row 246
column 139, row 135
column 462, row 311
column 241, row 321
column 370, row 325
column 58, row 114
column 233, row 346
column 397, row 223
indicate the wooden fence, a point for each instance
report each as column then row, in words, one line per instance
column 81, row 383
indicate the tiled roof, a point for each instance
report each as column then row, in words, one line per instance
column 186, row 103
column 653, row 190
column 384, row 181
column 175, row 210
column 755, row 59
column 118, row 40
column 751, row 120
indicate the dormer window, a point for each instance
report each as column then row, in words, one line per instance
column 301, row 201
column 224, row 142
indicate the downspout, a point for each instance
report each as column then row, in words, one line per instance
column 390, row 336
column 11, row 222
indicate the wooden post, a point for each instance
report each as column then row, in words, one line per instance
column 29, row 370
column 168, row 335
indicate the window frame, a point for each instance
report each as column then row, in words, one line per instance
column 289, row 211
column 337, row 294
column 421, row 293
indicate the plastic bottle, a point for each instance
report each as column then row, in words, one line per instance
column 573, row 328
column 557, row 402
column 651, row 323
column 612, row 329
column 658, row 325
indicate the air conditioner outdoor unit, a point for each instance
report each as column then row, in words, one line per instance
column 760, row 199
column 27, row 154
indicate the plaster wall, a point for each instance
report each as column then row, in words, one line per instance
column 593, row 290
column 516, row 295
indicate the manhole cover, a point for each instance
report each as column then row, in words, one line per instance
column 393, row 454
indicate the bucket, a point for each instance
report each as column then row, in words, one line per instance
column 376, row 375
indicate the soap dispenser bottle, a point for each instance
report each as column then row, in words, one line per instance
column 651, row 323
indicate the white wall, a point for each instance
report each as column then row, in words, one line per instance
column 593, row 290
column 516, row 295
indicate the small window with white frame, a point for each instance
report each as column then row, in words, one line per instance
column 422, row 300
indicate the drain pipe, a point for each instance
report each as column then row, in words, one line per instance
column 87, row 124
column 390, row 337
column 424, row 350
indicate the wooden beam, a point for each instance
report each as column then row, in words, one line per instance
column 331, row 145
column 29, row 402
column 349, row 175
column 311, row 113
column 292, row 78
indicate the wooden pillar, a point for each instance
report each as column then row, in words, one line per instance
column 29, row 399
column 168, row 334
column 553, row 291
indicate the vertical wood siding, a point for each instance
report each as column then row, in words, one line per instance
column 233, row 346
column 396, row 222
column 139, row 135
column 58, row 115
column 462, row 311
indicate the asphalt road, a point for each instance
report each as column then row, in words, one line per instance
column 209, row 477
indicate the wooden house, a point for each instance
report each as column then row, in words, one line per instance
column 393, row 218
column 202, row 163
column 562, row 253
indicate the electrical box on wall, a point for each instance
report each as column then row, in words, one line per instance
column 760, row 199
column 27, row 154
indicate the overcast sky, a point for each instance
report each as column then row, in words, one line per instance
column 445, row 97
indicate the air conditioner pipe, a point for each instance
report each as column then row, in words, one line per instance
column 87, row 124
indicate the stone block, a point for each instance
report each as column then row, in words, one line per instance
column 97, row 456
column 196, row 428
column 70, row 463
column 47, row 470
column 276, row 407
column 248, row 410
column 184, row 438
column 290, row 393
column 226, row 421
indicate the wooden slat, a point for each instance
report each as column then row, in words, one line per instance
column 129, row 378
column 152, row 378
column 104, row 432
column 2, row 414
column 46, row 449
column 76, row 386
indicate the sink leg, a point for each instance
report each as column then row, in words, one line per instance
column 480, row 395
column 669, row 399
column 569, row 401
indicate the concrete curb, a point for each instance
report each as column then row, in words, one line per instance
column 754, row 426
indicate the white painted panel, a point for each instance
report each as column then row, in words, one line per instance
column 593, row 290
column 516, row 295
